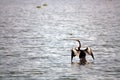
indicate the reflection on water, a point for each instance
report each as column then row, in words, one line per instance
column 35, row 43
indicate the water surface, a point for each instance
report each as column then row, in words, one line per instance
column 35, row 43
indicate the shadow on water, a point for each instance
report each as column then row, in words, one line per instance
column 78, row 63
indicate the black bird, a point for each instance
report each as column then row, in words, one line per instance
column 81, row 53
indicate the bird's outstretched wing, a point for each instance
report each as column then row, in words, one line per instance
column 89, row 52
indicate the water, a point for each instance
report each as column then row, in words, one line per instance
column 35, row 42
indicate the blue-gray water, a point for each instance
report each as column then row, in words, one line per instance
column 35, row 43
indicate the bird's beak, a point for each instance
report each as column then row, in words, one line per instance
column 77, row 40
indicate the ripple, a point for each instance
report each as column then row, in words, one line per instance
column 35, row 43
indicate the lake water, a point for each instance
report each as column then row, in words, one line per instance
column 35, row 43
